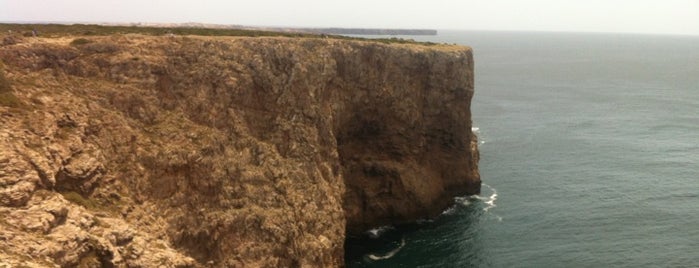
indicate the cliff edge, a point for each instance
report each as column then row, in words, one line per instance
column 141, row 151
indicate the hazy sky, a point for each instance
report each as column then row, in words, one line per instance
column 639, row 16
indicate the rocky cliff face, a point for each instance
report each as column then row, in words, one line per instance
column 226, row 152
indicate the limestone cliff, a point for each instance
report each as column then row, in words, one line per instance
column 140, row 151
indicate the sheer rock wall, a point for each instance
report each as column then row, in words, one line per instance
column 224, row 151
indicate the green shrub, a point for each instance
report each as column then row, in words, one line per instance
column 80, row 200
column 4, row 83
column 80, row 41
column 7, row 98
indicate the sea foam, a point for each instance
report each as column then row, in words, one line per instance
column 377, row 232
column 389, row 254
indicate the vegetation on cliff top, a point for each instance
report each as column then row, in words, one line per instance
column 60, row 30
column 4, row 84
column 7, row 98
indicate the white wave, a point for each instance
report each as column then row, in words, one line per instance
column 464, row 201
column 389, row 254
column 478, row 197
column 449, row 211
column 490, row 201
column 377, row 232
column 458, row 201
column 475, row 129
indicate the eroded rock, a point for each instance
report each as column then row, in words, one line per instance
column 136, row 151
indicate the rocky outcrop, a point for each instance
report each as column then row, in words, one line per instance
column 226, row 152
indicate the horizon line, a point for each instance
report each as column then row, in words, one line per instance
column 272, row 27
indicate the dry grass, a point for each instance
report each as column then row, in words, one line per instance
column 59, row 30
column 62, row 30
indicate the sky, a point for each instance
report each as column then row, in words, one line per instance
column 628, row 16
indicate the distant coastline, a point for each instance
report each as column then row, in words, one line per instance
column 366, row 31
column 332, row 30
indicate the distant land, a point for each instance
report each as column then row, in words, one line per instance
column 333, row 30
column 366, row 31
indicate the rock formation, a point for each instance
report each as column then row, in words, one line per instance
column 140, row 151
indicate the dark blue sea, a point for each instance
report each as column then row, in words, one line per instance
column 589, row 157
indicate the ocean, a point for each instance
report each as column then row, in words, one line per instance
column 589, row 150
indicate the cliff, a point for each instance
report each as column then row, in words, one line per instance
column 142, row 151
